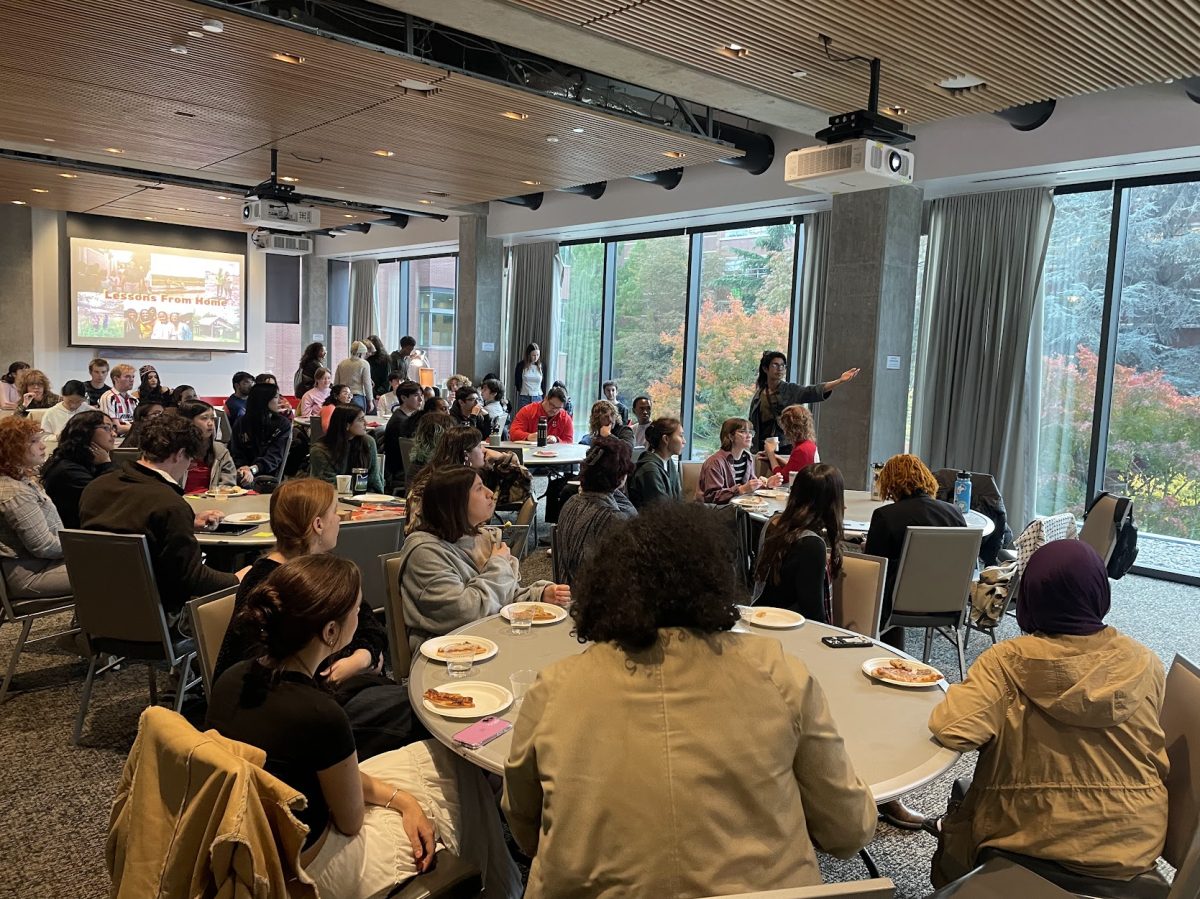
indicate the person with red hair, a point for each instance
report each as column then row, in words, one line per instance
column 31, row 557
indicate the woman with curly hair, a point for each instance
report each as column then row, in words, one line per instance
column 773, row 393
column 425, row 439
column 605, row 421
column 312, row 359
column 34, row 389
column 798, row 430
column 31, row 557
column 82, row 455
column 722, row 730
column 599, row 505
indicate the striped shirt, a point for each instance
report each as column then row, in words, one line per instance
column 740, row 465
column 118, row 406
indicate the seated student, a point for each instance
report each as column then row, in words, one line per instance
column 260, row 436
column 641, row 414
column 368, row 828
column 31, row 557
column 213, row 465
column 491, row 394
column 656, row 476
column 604, row 421
column 411, row 401
column 184, row 393
column 457, row 446
column 73, row 401
column 454, row 382
column 569, row 404
column 82, row 455
column 610, row 393
column 314, row 398
column 34, row 389
column 9, row 397
column 344, row 447
column 235, row 405
column 339, row 395
column 451, row 572
column 145, row 411
column 285, row 408
column 95, row 386
column 466, row 410
column 118, row 404
column 387, row 401
column 800, row 551
column 559, row 427
column 146, row 497
column 598, row 506
column 729, row 472
column 1072, row 757
column 797, row 424
column 151, row 389
column 425, row 441
column 721, row 753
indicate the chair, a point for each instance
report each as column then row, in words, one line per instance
column 123, row 454
column 876, row 888
column 986, row 499
column 224, row 432
column 555, row 558
column 287, row 449
column 36, row 414
column 210, row 616
column 393, row 615
column 315, row 428
column 129, row 621
column 689, row 479
column 527, row 515
column 1099, row 529
column 406, row 445
column 935, row 571
column 1000, row 878
column 363, row 542
column 25, row 612
column 858, row 594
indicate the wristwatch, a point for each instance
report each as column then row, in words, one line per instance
column 254, row 471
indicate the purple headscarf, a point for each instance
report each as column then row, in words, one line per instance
column 1064, row 590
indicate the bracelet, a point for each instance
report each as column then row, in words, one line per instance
column 388, row 804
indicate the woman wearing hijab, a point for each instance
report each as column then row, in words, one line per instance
column 1065, row 718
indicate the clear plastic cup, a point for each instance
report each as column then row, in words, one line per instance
column 459, row 662
column 521, row 681
column 522, row 622
column 343, row 484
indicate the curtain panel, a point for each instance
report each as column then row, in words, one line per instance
column 534, row 278
column 977, row 389
column 364, row 316
column 811, row 311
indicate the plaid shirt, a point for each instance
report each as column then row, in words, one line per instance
column 118, row 406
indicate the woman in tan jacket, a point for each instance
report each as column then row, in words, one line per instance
column 1065, row 718
column 672, row 757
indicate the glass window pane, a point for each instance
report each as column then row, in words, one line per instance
column 580, row 294
column 1073, row 288
column 1154, row 422
column 745, row 307
column 433, row 285
column 651, row 305
column 282, row 355
column 387, row 302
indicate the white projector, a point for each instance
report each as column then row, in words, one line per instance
column 282, row 244
column 280, row 216
column 848, row 167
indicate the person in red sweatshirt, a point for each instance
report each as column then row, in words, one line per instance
column 559, row 427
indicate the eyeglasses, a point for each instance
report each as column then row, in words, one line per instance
column 746, row 431
column 112, row 429
column 778, row 363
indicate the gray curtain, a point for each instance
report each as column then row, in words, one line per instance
column 976, row 394
column 811, row 312
column 364, row 317
column 534, row 291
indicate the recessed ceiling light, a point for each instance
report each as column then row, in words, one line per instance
column 424, row 202
column 212, row 26
column 40, row 190
column 347, row 215
column 799, row 73
column 289, row 179
column 116, row 151
column 416, row 86
column 19, row 203
column 222, row 197
column 386, row 154
column 674, row 154
column 195, row 33
column 551, row 138
column 290, row 58
column 48, row 140
column 436, row 193
column 148, row 218
column 180, row 209
column 734, row 51
column 577, row 130
column 515, row 116
column 181, row 49
column 531, row 183
column 960, row 83
column 66, row 175
column 898, row 110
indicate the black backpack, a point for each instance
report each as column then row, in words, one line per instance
column 1125, row 549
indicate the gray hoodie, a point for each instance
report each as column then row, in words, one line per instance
column 443, row 588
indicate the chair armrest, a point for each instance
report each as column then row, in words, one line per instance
column 450, row 878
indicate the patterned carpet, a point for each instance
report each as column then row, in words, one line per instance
column 54, row 799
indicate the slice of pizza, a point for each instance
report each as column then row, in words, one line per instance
column 449, row 700
column 448, row 649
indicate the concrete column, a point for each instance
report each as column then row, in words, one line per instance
column 16, row 285
column 314, row 300
column 480, row 298
column 870, row 295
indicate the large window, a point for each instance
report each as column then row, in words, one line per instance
column 432, row 292
column 281, row 331
column 745, row 307
column 580, row 305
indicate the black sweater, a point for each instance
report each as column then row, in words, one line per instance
column 65, row 480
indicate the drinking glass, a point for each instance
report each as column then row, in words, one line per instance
column 522, row 622
column 521, row 681
column 459, row 662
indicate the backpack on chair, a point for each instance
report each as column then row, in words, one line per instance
column 1125, row 548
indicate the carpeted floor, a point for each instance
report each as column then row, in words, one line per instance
column 54, row 799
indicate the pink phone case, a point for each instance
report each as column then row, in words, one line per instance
column 482, row 732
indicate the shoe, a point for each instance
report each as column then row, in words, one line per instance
column 933, row 826
column 897, row 814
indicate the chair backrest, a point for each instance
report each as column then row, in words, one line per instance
column 878, row 888
column 555, row 556
column 315, row 428
column 526, row 513
column 224, row 431
column 123, row 454
column 858, row 594
column 210, row 616
column 1099, row 530
column 393, row 614
column 363, row 542
column 689, row 479
column 1186, row 884
column 936, row 568
column 131, row 612
column 1180, row 718
column 406, row 445
column 287, row 449
column 36, row 414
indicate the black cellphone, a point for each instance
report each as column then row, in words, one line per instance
column 225, row 529
column 847, row 642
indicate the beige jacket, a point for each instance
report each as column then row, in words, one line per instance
column 703, row 766
column 196, row 815
column 1072, row 758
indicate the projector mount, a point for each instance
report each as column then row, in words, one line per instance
column 863, row 123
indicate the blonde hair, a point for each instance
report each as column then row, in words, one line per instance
column 463, row 380
column 904, row 475
column 599, row 408
column 358, row 349
column 729, row 428
column 120, row 370
column 797, row 424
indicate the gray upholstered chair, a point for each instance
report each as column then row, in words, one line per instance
column 210, row 616
column 393, row 614
column 363, row 542
column 858, row 594
column 25, row 612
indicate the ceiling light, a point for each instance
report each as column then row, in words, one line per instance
column 180, row 209
column 515, row 116
column 551, row 138
column 347, row 215
column 425, row 202
column 577, row 130
column 799, row 73
column 222, row 197
column 958, row 84
column 386, row 154
column 289, row 179
column 436, row 193
column 290, row 58
column 416, row 86
column 116, row 151
column 48, row 140
column 19, row 203
column 178, row 48
column 212, row 26
column 40, row 190
column 532, row 183
column 66, row 175
column 148, row 218
column 195, row 33
column 674, row 154
column 734, row 51
column 898, row 110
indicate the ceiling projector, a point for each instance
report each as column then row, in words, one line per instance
column 280, row 215
column 848, row 167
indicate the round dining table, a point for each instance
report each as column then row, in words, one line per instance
column 883, row 726
column 527, row 451
column 859, row 508
column 254, row 503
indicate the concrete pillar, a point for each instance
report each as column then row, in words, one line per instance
column 16, row 285
column 480, row 298
column 870, row 295
column 314, row 300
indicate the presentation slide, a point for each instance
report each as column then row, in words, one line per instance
column 134, row 295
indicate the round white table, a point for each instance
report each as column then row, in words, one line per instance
column 859, row 508
column 259, row 503
column 884, row 727
column 526, row 450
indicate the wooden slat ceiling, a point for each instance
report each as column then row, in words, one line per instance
column 98, row 75
column 1026, row 50
column 34, row 184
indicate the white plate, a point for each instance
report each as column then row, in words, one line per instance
column 248, row 518
column 378, row 498
column 870, row 665
column 558, row 611
column 228, row 491
column 430, row 648
column 750, row 502
column 489, row 699
column 545, row 454
column 773, row 493
column 852, row 525
column 770, row 616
